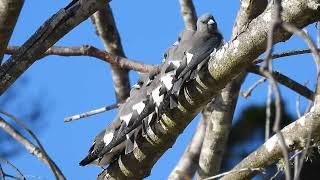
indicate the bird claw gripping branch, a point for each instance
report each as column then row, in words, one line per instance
column 155, row 93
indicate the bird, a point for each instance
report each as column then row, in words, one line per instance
column 155, row 92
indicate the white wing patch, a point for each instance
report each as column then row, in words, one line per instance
column 155, row 96
column 176, row 63
column 139, row 107
column 167, row 80
column 108, row 137
column 189, row 57
column 126, row 118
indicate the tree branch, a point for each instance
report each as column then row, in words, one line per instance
column 31, row 148
column 91, row 51
column 286, row 81
column 295, row 135
column 220, row 115
column 49, row 33
column 9, row 13
column 188, row 163
column 230, row 60
column 107, row 30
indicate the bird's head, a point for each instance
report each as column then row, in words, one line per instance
column 206, row 23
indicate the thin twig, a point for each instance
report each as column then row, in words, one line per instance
column 57, row 172
column 285, row 54
column 234, row 171
column 91, row 113
column 13, row 166
column 249, row 91
column 292, row 29
column 266, row 70
column 2, row 174
column 286, row 81
column 268, row 114
column 302, row 158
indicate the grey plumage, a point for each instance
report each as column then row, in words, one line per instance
column 156, row 92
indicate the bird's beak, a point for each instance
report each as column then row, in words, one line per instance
column 136, row 86
column 211, row 22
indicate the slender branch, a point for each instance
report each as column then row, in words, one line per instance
column 91, row 51
column 39, row 152
column 91, row 113
column 286, row 81
column 107, row 30
column 286, row 54
column 249, row 91
column 2, row 174
column 48, row 34
column 189, row 14
column 9, row 13
column 14, row 167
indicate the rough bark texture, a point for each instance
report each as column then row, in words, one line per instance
column 295, row 135
column 107, row 30
column 188, row 163
column 220, row 120
column 219, row 115
column 234, row 57
column 49, row 33
column 9, row 13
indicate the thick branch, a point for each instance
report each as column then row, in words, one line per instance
column 220, row 115
column 188, row 162
column 234, row 57
column 249, row 9
column 107, row 30
column 189, row 14
column 9, row 13
column 295, row 134
column 91, row 51
column 49, row 33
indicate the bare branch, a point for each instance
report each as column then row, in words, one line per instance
column 9, row 13
column 39, row 152
column 91, row 113
column 249, row 9
column 219, row 115
column 188, row 162
column 231, row 59
column 285, row 54
column 13, row 166
column 235, row 171
column 49, row 33
column 87, row 50
column 249, row 91
column 189, row 14
column 286, row 81
column 295, row 134
column 107, row 30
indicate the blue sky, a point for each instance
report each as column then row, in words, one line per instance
column 71, row 85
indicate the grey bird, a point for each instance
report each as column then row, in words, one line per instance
column 154, row 92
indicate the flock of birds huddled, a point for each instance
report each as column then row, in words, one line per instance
column 156, row 92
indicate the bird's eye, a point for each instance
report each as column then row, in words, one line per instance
column 165, row 55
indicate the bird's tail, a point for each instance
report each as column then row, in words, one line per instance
column 92, row 156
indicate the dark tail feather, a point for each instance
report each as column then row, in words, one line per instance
column 92, row 156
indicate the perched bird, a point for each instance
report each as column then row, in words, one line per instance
column 155, row 92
